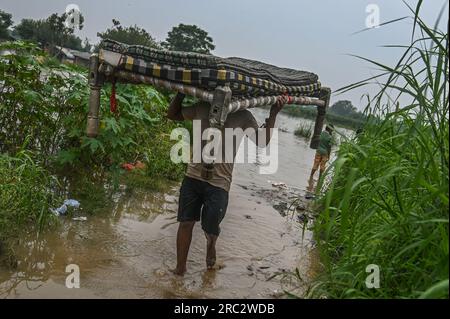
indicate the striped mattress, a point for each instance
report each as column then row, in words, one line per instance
column 246, row 78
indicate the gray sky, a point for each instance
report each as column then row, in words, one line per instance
column 312, row 35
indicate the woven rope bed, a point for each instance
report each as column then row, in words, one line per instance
column 229, row 84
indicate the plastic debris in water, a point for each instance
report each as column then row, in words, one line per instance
column 63, row 209
column 278, row 184
column 128, row 166
column 310, row 196
column 132, row 166
column 60, row 210
column 72, row 203
column 81, row 219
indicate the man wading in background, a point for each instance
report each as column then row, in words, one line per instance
column 323, row 152
column 205, row 187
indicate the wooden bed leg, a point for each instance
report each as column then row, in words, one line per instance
column 220, row 106
column 95, row 83
column 324, row 95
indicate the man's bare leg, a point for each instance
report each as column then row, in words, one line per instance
column 210, row 250
column 321, row 172
column 313, row 171
column 184, row 238
column 310, row 184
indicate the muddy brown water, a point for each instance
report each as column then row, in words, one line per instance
column 127, row 253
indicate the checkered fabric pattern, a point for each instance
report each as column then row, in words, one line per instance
column 244, row 77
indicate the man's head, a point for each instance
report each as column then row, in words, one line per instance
column 329, row 128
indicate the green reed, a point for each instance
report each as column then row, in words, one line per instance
column 387, row 203
column 304, row 130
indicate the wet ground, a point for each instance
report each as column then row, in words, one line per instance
column 127, row 252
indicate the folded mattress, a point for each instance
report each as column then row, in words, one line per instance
column 245, row 78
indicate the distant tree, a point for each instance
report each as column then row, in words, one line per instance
column 128, row 35
column 73, row 42
column 189, row 38
column 87, row 46
column 51, row 31
column 27, row 29
column 60, row 32
column 5, row 23
column 343, row 108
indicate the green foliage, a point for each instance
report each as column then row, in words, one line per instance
column 28, row 29
column 25, row 194
column 43, row 109
column 50, row 32
column 5, row 23
column 343, row 107
column 38, row 101
column 128, row 35
column 44, row 106
column 388, row 201
column 189, row 38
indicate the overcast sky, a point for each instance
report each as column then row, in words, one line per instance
column 312, row 35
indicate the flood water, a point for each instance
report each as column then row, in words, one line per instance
column 127, row 253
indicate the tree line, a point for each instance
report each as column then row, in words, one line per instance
column 53, row 31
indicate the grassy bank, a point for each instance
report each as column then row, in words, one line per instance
column 387, row 203
column 43, row 109
column 309, row 112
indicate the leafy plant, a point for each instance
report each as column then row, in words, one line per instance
column 43, row 108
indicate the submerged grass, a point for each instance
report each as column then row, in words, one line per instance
column 304, row 130
column 387, row 203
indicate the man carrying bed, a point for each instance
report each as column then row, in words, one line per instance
column 205, row 187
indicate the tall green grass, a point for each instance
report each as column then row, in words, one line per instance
column 387, row 203
column 26, row 196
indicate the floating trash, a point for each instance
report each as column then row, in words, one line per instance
column 62, row 210
column 132, row 166
column 278, row 184
column 72, row 203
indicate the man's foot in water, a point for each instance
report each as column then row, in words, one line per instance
column 179, row 271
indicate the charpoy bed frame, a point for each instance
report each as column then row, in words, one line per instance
column 228, row 84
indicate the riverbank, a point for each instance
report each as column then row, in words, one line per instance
column 125, row 249
column 382, row 231
column 310, row 113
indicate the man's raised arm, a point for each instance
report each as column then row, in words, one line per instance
column 174, row 112
column 177, row 112
column 270, row 121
